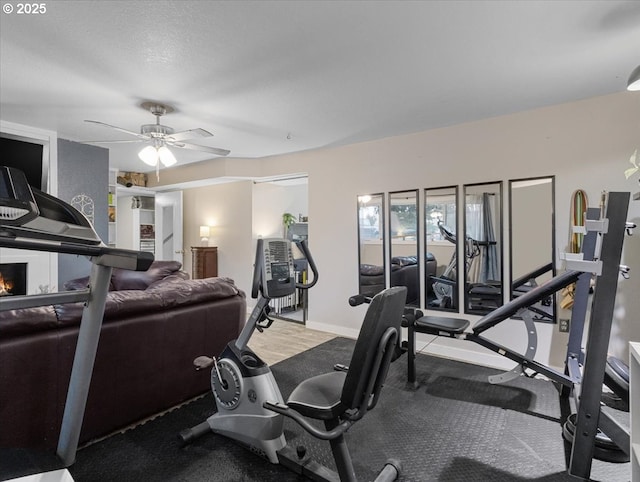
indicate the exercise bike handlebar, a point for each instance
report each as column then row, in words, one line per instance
column 307, row 254
column 357, row 300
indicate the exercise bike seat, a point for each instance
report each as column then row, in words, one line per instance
column 319, row 397
column 342, row 398
column 436, row 325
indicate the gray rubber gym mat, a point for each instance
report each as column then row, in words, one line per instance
column 455, row 427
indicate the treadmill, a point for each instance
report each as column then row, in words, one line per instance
column 33, row 220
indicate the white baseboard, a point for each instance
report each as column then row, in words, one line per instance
column 459, row 350
column 434, row 348
column 337, row 330
column 490, row 360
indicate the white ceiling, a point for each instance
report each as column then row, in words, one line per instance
column 271, row 77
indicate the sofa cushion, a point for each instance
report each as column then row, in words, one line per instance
column 175, row 291
column 123, row 279
column 119, row 304
column 80, row 284
column 164, row 294
column 27, row 320
column 404, row 260
column 371, row 270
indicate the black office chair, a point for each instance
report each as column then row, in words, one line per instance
column 341, row 398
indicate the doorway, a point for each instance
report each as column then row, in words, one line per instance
column 168, row 232
column 280, row 210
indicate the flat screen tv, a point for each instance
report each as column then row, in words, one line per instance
column 26, row 156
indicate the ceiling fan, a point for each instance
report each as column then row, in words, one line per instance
column 159, row 137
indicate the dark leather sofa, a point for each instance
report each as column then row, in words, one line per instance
column 404, row 272
column 156, row 322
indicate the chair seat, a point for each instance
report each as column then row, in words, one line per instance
column 319, row 397
column 435, row 324
column 486, row 290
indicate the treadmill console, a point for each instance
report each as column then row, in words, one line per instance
column 27, row 212
column 17, row 204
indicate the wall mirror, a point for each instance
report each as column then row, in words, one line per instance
column 371, row 244
column 532, row 247
column 404, row 267
column 483, row 289
column 441, row 253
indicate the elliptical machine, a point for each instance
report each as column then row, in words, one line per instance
column 250, row 405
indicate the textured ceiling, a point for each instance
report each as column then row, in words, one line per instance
column 273, row 77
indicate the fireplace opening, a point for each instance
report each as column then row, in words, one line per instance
column 13, row 279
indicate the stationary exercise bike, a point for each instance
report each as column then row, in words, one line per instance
column 250, row 406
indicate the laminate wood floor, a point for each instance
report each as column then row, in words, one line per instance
column 285, row 339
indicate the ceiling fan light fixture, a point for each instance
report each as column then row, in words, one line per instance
column 166, row 156
column 149, row 155
column 634, row 80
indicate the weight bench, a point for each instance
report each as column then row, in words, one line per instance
column 457, row 328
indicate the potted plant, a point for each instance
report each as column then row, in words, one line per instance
column 287, row 220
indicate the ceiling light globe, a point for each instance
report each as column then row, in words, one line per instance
column 166, row 156
column 149, row 155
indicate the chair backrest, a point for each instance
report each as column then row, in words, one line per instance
column 365, row 372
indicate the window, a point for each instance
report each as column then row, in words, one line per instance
column 440, row 209
column 370, row 218
column 403, row 216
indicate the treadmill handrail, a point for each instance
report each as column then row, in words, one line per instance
column 103, row 255
column 527, row 299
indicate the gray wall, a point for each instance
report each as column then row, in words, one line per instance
column 82, row 169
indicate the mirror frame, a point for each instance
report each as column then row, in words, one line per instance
column 453, row 261
column 553, row 239
column 382, row 238
column 413, row 293
column 499, row 241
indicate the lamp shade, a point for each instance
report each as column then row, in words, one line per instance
column 634, row 79
column 204, row 231
column 149, row 155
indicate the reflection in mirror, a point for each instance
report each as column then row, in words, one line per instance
column 403, row 235
column 483, row 247
column 532, row 243
column 441, row 253
column 371, row 243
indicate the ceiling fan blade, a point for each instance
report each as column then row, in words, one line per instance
column 213, row 150
column 115, row 142
column 141, row 136
column 189, row 134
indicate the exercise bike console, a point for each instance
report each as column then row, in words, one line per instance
column 273, row 275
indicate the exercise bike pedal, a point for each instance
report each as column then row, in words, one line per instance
column 188, row 435
column 203, row 362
